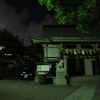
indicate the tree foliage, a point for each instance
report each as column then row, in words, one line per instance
column 11, row 42
column 85, row 12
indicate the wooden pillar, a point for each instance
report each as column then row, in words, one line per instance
column 88, row 67
column 65, row 65
column 76, row 66
column 97, row 64
column 61, row 54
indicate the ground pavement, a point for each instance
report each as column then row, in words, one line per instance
column 85, row 92
column 27, row 90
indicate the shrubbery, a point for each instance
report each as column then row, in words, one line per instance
column 14, row 70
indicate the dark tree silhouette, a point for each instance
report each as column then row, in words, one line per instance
column 12, row 43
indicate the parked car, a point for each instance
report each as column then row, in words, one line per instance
column 27, row 74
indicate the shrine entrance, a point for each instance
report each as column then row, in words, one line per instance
column 81, row 66
column 75, row 66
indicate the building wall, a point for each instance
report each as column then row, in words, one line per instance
column 51, row 51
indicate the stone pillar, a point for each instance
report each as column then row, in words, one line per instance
column 88, row 67
column 60, row 77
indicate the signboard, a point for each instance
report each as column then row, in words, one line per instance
column 43, row 67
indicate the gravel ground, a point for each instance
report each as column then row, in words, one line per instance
column 25, row 90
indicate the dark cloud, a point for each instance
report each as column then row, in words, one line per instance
column 14, row 22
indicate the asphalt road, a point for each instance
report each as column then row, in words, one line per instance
column 25, row 90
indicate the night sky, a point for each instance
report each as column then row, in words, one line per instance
column 24, row 18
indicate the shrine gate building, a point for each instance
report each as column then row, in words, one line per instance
column 71, row 52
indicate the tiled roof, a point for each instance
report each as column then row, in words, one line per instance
column 66, row 31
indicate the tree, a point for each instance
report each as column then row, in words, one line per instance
column 35, row 51
column 13, row 45
column 11, row 42
column 85, row 12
